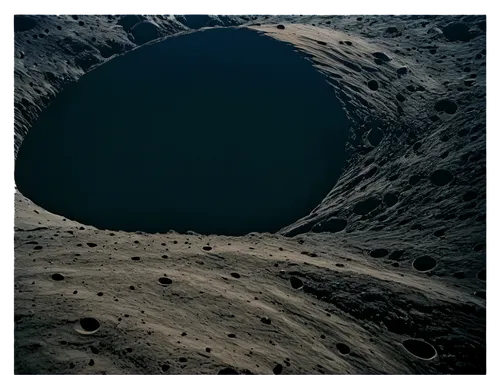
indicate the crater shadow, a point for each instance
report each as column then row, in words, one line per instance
column 420, row 349
column 88, row 326
column 424, row 263
column 223, row 131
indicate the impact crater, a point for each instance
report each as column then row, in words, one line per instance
column 222, row 131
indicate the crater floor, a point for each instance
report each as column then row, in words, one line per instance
column 386, row 274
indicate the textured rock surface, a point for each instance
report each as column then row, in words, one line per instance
column 414, row 185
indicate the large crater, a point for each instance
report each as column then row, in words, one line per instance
column 223, row 131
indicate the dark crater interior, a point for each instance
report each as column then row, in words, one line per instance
column 224, row 131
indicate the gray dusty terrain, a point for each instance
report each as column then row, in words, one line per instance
column 386, row 275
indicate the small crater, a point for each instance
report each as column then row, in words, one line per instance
column 366, row 206
column 278, row 369
column 381, row 56
column 440, row 232
column 424, row 263
column 164, row 281
column 459, row 275
column 375, row 136
column 379, row 253
column 390, row 199
column 136, row 258
column 420, row 349
column 280, row 27
column 469, row 196
column 446, row 105
column 392, row 30
column 265, row 320
column 479, row 247
column 236, row 275
column 481, row 275
column 343, row 348
column 90, row 244
column 296, row 283
column 207, row 248
column 332, row 225
column 402, row 70
column 373, row 85
column 457, row 31
column 441, row 177
column 57, row 277
column 88, row 326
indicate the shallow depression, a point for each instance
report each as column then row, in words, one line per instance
column 223, row 131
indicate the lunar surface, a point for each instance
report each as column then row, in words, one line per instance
column 250, row 194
